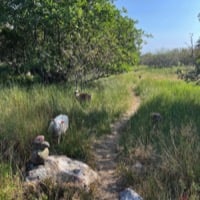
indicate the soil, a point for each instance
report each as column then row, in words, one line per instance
column 106, row 150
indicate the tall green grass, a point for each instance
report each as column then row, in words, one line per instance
column 169, row 152
column 10, row 187
column 26, row 112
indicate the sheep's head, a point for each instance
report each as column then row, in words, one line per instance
column 54, row 126
column 76, row 93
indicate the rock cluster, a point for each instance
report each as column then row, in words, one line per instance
column 59, row 169
column 39, row 153
column 63, row 171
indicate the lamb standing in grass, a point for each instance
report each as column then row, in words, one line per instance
column 58, row 126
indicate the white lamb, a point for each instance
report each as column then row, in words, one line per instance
column 58, row 126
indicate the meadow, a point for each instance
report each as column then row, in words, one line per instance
column 26, row 113
column 162, row 161
column 168, row 154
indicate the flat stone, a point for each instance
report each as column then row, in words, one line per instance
column 61, row 170
column 129, row 194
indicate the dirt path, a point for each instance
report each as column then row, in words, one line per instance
column 106, row 151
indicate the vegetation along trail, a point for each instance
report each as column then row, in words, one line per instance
column 106, row 151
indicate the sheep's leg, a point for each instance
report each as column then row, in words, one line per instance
column 59, row 139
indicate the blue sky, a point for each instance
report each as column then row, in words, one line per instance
column 171, row 22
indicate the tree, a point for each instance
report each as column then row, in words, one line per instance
column 197, row 53
column 174, row 57
column 55, row 39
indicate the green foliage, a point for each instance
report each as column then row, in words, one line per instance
column 170, row 58
column 57, row 39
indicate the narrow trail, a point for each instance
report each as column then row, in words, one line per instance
column 105, row 153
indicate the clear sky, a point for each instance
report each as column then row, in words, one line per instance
column 171, row 22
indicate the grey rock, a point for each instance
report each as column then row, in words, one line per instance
column 129, row 194
column 61, row 170
column 40, row 151
column 39, row 139
column 155, row 117
column 36, row 159
column 138, row 167
column 40, row 146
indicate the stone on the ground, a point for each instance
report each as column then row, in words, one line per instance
column 137, row 168
column 40, row 151
column 62, row 170
column 129, row 194
column 39, row 139
column 155, row 117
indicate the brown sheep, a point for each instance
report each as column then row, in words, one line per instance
column 82, row 97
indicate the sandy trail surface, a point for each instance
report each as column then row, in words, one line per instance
column 105, row 154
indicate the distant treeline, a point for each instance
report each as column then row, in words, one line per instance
column 53, row 40
column 175, row 57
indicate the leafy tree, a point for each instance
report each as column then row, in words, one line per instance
column 197, row 53
column 55, row 39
